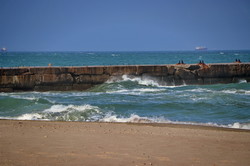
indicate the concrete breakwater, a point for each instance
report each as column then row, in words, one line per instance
column 83, row 78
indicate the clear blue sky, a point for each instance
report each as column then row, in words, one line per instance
column 124, row 25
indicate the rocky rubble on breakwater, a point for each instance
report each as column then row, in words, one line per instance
column 83, row 78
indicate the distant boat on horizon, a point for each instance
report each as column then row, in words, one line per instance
column 200, row 48
column 3, row 49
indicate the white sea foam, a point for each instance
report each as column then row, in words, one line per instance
column 31, row 116
column 132, row 119
column 65, row 113
column 242, row 81
column 148, row 90
column 229, row 91
column 19, row 96
column 31, row 98
column 95, row 116
column 197, row 124
column 173, row 85
column 25, row 97
column 135, row 91
column 125, row 92
column 3, row 94
column 70, row 108
column 198, row 98
column 238, row 125
column 56, row 108
column 199, row 90
column 138, row 119
column 80, row 94
column 247, row 92
column 141, row 81
column 144, row 80
column 236, row 91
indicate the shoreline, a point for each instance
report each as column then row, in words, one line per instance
column 153, row 124
column 25, row 142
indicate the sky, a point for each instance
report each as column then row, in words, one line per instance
column 124, row 25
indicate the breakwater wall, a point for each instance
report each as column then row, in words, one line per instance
column 83, row 78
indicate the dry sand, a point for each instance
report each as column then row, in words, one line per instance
column 113, row 144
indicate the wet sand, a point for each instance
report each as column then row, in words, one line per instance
column 113, row 144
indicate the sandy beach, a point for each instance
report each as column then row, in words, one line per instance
column 113, row 144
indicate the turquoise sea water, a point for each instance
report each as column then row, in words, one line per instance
column 16, row 59
column 131, row 99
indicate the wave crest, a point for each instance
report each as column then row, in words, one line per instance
column 64, row 113
column 141, row 80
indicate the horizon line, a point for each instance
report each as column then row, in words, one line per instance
column 127, row 50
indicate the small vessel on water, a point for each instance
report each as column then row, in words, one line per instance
column 3, row 49
column 200, row 48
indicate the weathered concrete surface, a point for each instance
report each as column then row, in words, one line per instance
column 82, row 78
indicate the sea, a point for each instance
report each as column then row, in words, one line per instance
column 132, row 99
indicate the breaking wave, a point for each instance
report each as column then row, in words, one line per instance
column 242, row 81
column 64, row 113
column 88, row 113
column 142, row 80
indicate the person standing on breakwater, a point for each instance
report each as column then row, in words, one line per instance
column 237, row 61
column 180, row 62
